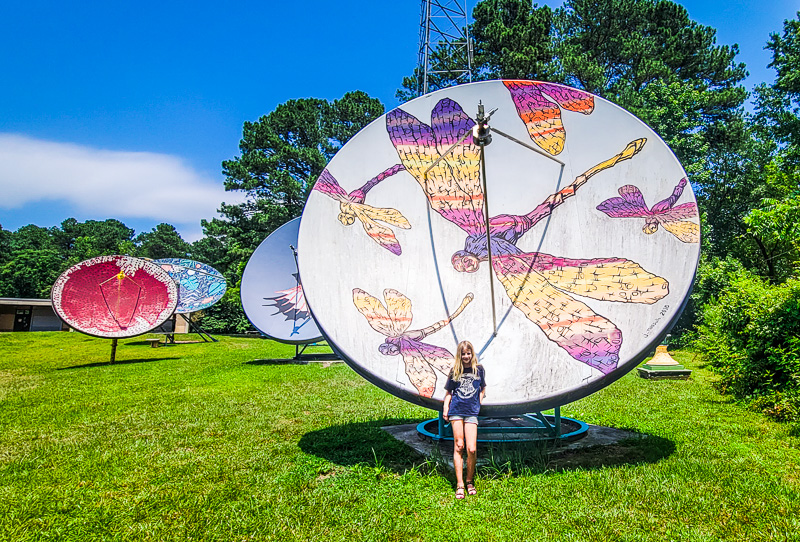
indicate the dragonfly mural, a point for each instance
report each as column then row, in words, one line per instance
column 540, row 285
column 631, row 204
column 542, row 116
column 352, row 208
column 291, row 303
column 392, row 320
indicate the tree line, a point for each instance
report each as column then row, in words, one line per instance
column 647, row 56
column 32, row 257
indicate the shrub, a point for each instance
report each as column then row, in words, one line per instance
column 713, row 277
column 749, row 335
column 226, row 315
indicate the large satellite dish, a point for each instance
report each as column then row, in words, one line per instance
column 594, row 243
column 272, row 296
column 199, row 285
column 114, row 296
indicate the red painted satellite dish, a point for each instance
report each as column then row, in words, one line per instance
column 114, row 296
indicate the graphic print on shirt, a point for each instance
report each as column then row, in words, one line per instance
column 467, row 387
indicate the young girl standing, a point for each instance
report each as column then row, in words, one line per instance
column 466, row 388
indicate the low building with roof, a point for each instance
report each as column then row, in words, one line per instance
column 28, row 314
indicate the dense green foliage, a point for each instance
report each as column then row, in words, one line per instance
column 31, row 258
column 282, row 154
column 779, row 104
column 226, row 315
column 205, row 442
column 750, row 335
column 513, row 40
column 775, row 227
column 163, row 241
column 750, row 317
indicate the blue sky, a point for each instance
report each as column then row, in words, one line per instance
column 126, row 109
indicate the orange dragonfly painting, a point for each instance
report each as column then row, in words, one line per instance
column 392, row 320
column 542, row 116
column 447, row 167
column 352, row 208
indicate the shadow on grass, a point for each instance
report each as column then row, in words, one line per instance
column 324, row 358
column 163, row 344
column 138, row 343
column 279, row 361
column 118, row 362
column 365, row 443
column 543, row 458
column 635, row 451
column 361, row 443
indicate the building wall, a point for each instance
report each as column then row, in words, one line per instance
column 7, row 318
column 45, row 319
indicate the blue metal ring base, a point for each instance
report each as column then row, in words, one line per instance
column 541, row 433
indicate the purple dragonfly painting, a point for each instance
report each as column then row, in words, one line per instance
column 631, row 204
column 393, row 320
column 447, row 168
column 352, row 208
column 539, row 106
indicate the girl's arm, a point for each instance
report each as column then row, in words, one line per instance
column 446, row 406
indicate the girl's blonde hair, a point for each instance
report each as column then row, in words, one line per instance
column 458, row 366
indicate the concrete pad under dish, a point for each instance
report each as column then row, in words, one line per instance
column 597, row 435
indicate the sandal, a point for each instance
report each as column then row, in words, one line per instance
column 471, row 488
column 460, row 492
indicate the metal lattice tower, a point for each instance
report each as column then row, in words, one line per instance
column 445, row 48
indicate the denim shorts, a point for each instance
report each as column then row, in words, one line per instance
column 467, row 419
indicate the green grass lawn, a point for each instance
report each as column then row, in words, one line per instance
column 195, row 441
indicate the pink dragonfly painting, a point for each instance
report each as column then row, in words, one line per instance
column 540, row 285
column 542, row 116
column 631, row 204
column 291, row 303
column 352, row 208
column 392, row 320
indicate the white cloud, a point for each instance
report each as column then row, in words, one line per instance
column 116, row 184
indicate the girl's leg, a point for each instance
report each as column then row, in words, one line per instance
column 471, row 440
column 458, row 448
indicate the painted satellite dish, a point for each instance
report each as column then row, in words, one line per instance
column 592, row 245
column 114, row 296
column 199, row 285
column 272, row 295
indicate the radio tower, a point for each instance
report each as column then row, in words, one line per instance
column 445, row 50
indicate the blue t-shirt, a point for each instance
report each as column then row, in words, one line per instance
column 466, row 396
